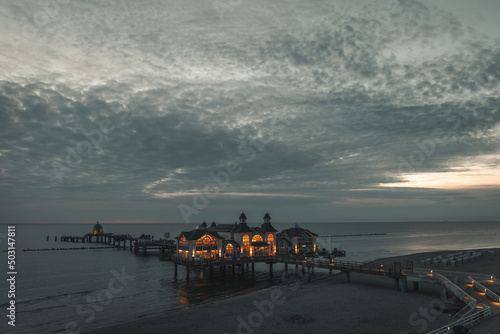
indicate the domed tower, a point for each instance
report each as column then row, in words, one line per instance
column 243, row 218
column 97, row 229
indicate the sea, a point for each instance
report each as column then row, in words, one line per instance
column 75, row 291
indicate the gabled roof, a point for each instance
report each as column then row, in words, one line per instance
column 279, row 240
column 242, row 228
column 242, row 216
column 198, row 233
column 296, row 231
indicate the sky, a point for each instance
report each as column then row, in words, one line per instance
column 192, row 110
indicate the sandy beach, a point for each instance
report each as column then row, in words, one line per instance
column 487, row 265
column 368, row 304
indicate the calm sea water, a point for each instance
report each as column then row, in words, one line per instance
column 57, row 288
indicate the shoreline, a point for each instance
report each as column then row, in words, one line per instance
column 487, row 265
column 368, row 304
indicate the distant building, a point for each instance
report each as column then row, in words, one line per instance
column 228, row 240
column 97, row 230
column 297, row 240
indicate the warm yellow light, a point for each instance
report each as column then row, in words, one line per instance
column 477, row 173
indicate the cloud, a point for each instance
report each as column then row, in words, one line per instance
column 363, row 87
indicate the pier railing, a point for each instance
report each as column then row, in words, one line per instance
column 457, row 273
column 344, row 266
column 466, row 310
column 481, row 312
column 456, row 290
column 484, row 289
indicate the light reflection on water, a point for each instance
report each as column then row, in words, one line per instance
column 53, row 283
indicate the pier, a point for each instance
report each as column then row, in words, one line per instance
column 138, row 245
column 307, row 264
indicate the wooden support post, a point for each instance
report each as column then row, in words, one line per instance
column 303, row 269
column 253, row 269
column 330, row 271
column 47, row 238
column 233, row 269
column 271, row 270
column 286, row 267
column 242, row 268
column 187, row 273
column 348, row 277
column 415, row 286
column 403, row 283
column 211, row 271
column 175, row 270
column 396, row 283
column 56, row 238
column 308, row 273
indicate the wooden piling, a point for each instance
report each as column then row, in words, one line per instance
column 403, row 283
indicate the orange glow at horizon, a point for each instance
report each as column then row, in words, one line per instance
column 472, row 176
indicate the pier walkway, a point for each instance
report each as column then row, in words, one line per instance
column 136, row 244
column 307, row 263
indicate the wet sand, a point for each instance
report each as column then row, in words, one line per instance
column 368, row 304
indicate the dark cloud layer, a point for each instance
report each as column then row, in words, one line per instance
column 123, row 111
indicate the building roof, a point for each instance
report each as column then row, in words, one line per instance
column 267, row 227
column 242, row 228
column 267, row 216
column 198, row 233
column 279, row 240
column 97, row 229
column 243, row 216
column 221, row 227
column 296, row 231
